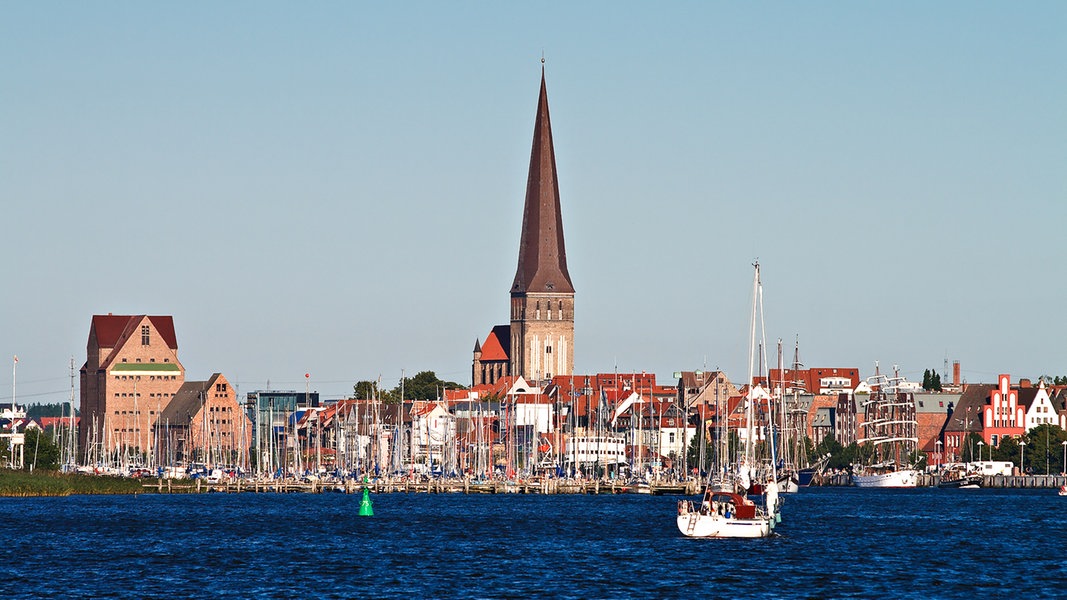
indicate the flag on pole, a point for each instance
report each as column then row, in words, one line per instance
column 16, row 359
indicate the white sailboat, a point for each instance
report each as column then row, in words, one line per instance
column 726, row 509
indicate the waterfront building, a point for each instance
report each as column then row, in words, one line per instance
column 965, row 420
column 130, row 374
column 700, row 388
column 539, row 341
column 1039, row 408
column 822, row 380
column 932, row 411
column 270, row 412
column 203, row 423
column 997, row 412
column 830, row 416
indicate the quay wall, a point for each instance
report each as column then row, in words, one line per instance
column 547, row 486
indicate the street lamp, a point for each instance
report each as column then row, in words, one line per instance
column 937, row 454
column 980, row 444
column 1022, row 455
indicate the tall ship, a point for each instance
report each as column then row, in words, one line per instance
column 890, row 431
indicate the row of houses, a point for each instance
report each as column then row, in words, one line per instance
column 521, row 425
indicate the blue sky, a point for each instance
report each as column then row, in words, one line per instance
column 337, row 188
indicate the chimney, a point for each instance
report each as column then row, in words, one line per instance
column 1025, row 383
column 955, row 373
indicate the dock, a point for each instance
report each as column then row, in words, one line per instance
column 407, row 486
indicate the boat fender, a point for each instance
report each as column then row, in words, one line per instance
column 681, row 507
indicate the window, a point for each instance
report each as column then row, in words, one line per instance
column 144, row 335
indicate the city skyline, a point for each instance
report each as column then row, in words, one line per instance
column 339, row 190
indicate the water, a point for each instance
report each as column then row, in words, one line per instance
column 833, row 542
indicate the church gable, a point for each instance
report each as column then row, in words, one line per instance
column 494, row 347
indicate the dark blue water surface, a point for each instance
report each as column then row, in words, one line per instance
column 832, row 543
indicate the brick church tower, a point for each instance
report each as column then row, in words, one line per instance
column 542, row 295
column 539, row 342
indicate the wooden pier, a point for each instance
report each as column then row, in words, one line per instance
column 406, row 486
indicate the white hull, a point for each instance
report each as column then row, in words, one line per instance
column 789, row 485
column 906, row 478
column 718, row 526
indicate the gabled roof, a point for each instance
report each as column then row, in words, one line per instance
column 111, row 329
column 498, row 344
column 542, row 255
column 188, row 401
column 967, row 415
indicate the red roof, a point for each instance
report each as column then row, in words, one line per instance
column 492, row 349
column 112, row 329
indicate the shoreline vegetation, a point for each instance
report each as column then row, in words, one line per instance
column 24, row 484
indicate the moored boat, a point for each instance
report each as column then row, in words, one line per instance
column 888, row 478
column 890, row 428
column 965, row 482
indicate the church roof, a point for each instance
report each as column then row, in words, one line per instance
column 498, row 344
column 542, row 256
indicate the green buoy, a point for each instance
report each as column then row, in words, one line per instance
column 366, row 509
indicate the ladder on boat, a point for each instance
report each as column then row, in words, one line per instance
column 692, row 523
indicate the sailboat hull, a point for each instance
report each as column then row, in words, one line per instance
column 789, row 484
column 905, row 478
column 726, row 515
column 717, row 526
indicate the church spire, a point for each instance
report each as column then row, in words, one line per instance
column 542, row 256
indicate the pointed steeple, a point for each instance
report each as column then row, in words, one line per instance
column 542, row 256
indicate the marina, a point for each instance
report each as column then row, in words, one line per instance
column 547, row 486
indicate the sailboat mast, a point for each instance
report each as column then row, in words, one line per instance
column 749, row 442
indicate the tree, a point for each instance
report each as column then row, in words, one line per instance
column 1044, row 450
column 693, row 452
column 424, row 386
column 368, row 390
column 47, row 410
column 1008, row 450
column 970, row 450
column 840, row 456
column 931, row 380
column 40, row 452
